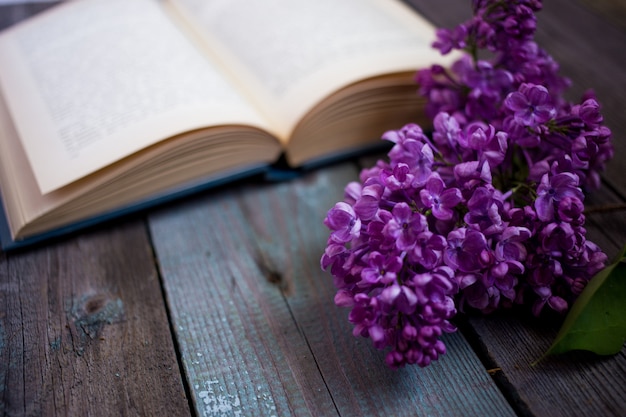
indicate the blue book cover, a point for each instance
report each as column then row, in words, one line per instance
column 9, row 244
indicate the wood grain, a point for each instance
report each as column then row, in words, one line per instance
column 255, row 318
column 613, row 11
column 83, row 330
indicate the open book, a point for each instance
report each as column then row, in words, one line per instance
column 110, row 106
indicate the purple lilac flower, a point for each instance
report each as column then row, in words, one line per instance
column 381, row 269
column 448, row 40
column 469, row 175
column 447, row 133
column 366, row 204
column 485, row 211
column 486, row 78
column 491, row 146
column 467, row 250
column 400, row 178
column 485, row 215
column 343, row 222
column 570, row 210
column 531, row 105
column 440, row 200
column 428, row 250
column 553, row 189
column 405, row 226
column 511, row 248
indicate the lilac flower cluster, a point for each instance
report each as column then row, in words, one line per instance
column 484, row 213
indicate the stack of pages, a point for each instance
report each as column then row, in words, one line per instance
column 112, row 106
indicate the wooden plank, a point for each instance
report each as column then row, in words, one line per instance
column 613, row 11
column 241, row 351
column 254, row 314
column 443, row 13
column 83, row 330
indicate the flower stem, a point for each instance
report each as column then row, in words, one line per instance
column 605, row 208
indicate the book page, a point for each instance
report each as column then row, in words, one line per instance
column 91, row 82
column 292, row 53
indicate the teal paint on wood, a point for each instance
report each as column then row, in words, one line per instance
column 229, row 309
column 242, row 276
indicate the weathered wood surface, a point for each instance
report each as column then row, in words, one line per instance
column 611, row 10
column 83, row 330
column 255, row 319
column 85, row 323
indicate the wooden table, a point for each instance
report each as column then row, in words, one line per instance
column 216, row 305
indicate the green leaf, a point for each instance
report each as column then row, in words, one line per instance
column 597, row 320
